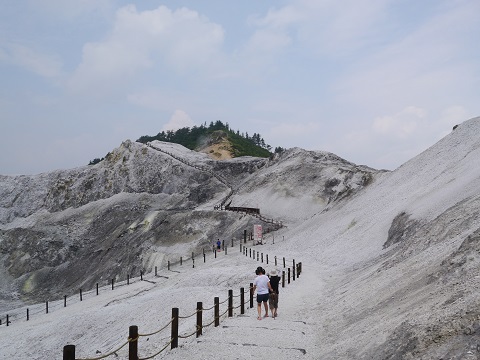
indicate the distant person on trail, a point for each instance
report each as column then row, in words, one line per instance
column 263, row 287
column 273, row 298
column 219, row 244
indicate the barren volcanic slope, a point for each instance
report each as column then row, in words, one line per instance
column 391, row 259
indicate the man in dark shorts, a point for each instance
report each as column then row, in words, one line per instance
column 262, row 285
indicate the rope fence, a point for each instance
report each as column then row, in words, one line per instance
column 28, row 312
column 69, row 350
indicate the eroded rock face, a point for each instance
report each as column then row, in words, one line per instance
column 70, row 229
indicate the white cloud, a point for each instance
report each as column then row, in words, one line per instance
column 157, row 40
column 179, row 119
column 401, row 124
column 42, row 64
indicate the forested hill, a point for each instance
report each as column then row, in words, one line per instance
column 194, row 138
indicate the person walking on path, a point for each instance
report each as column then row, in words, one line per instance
column 219, row 244
column 273, row 298
column 263, row 287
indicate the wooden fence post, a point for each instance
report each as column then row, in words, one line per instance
column 289, row 275
column 242, row 301
column 97, row 288
column 69, row 352
column 216, row 311
column 283, row 279
column 275, row 261
column 112, row 283
column 199, row 318
column 262, row 258
column 133, row 342
column 181, row 261
column 267, row 259
column 128, row 279
column 81, row 297
column 293, row 269
column 232, row 242
column 155, row 271
column 230, row 303
column 204, row 259
column 46, row 307
column 253, row 254
column 174, row 334
column 64, row 300
column 28, row 315
column 141, row 275
column 258, row 255
column 284, row 262
column 168, row 265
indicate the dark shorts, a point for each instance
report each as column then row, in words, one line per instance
column 262, row 298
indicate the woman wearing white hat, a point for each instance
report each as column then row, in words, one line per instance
column 273, row 298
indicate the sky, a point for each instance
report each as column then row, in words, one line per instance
column 375, row 82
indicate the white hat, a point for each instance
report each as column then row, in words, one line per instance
column 273, row 273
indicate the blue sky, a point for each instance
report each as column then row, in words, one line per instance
column 375, row 81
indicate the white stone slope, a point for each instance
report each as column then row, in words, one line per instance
column 389, row 273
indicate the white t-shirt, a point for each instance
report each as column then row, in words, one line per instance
column 261, row 282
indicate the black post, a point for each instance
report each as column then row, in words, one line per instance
column 204, row 259
column 267, row 259
column 8, row 321
column 141, row 275
column 64, row 300
column 242, row 301
column 230, row 303
column 174, row 335
column 168, row 265
column 226, row 250
column 251, row 252
column 112, row 283
column 240, row 247
column 284, row 262
column 181, row 261
column 128, row 279
column 293, row 270
column 155, row 271
column 97, row 288
column 28, row 315
column 232, row 242
column 244, row 236
column 283, row 279
column 81, row 297
column 193, row 261
column 262, row 258
column 258, row 254
column 199, row 318
column 69, row 352
column 215, row 253
column 216, row 311
column 133, row 342
column 46, row 307
column 275, row 261
column 223, row 244
column 289, row 275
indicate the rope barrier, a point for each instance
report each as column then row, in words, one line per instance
column 111, row 352
column 187, row 336
column 210, row 308
column 151, row 357
column 186, row 317
column 156, row 332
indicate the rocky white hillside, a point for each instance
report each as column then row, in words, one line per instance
column 66, row 230
column 391, row 260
